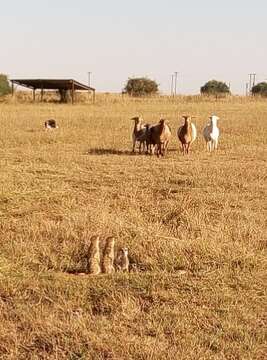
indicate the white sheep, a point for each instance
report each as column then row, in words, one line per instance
column 211, row 133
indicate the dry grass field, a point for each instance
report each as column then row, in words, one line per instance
column 195, row 227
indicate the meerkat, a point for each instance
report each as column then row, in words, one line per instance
column 94, row 256
column 108, row 256
column 122, row 260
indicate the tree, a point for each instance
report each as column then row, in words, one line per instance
column 141, row 86
column 214, row 87
column 260, row 89
column 4, row 85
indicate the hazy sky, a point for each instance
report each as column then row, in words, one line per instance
column 115, row 39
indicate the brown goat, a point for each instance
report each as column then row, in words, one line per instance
column 187, row 134
column 159, row 136
column 139, row 133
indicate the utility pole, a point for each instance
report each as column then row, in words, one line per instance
column 171, row 85
column 251, row 82
column 247, row 89
column 254, row 79
column 250, row 76
column 175, row 82
column 89, row 78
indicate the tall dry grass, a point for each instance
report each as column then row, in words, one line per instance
column 204, row 214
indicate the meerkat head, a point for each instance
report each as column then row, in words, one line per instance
column 94, row 239
column 110, row 241
column 124, row 251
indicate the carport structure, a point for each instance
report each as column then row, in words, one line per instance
column 52, row 84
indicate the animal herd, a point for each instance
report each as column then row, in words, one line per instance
column 151, row 139
column 156, row 137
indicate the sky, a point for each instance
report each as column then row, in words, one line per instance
column 117, row 39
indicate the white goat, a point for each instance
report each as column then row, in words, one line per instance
column 211, row 133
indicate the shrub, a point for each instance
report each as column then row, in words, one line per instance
column 141, row 86
column 214, row 87
column 260, row 89
column 4, row 85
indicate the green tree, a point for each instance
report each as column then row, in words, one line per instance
column 214, row 87
column 4, row 85
column 141, row 87
column 260, row 89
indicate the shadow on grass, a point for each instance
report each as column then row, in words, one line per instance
column 101, row 151
column 75, row 272
column 173, row 149
column 106, row 151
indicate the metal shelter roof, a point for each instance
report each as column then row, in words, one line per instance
column 52, row 84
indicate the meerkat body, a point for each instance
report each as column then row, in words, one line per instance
column 94, row 256
column 108, row 256
column 122, row 260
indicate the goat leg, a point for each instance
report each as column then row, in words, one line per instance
column 146, row 146
column 166, row 146
column 187, row 148
column 134, row 141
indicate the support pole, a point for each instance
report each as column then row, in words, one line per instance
column 42, row 93
column 12, row 88
column 72, row 92
column 33, row 94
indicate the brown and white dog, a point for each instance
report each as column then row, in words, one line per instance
column 50, row 124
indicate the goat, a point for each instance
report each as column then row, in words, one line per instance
column 211, row 133
column 187, row 134
column 50, row 124
column 159, row 135
column 140, row 134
